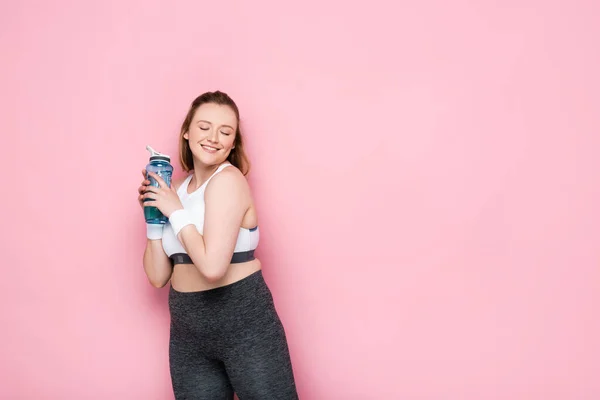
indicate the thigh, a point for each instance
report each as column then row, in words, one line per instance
column 260, row 367
column 195, row 376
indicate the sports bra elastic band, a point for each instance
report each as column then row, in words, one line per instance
column 239, row 257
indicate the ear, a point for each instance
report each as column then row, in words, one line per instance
column 186, row 135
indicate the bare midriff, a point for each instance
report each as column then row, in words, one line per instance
column 187, row 278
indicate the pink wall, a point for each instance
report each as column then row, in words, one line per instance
column 427, row 177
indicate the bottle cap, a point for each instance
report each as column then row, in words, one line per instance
column 155, row 155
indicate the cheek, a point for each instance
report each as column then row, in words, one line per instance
column 196, row 134
column 229, row 141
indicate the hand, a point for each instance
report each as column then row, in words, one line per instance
column 163, row 197
column 142, row 189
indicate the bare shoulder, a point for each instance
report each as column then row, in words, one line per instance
column 229, row 181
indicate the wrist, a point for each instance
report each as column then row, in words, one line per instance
column 179, row 219
column 154, row 231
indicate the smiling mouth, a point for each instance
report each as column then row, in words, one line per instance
column 209, row 148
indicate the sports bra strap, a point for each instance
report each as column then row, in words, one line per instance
column 221, row 168
column 182, row 189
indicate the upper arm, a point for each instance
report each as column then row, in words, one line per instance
column 227, row 198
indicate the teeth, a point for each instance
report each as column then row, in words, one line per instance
column 208, row 147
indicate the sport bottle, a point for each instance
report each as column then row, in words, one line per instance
column 160, row 164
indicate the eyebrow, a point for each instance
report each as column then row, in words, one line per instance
column 208, row 122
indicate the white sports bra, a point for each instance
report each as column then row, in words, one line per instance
column 247, row 240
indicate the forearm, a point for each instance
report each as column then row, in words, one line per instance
column 208, row 264
column 157, row 265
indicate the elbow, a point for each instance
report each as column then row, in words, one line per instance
column 213, row 274
column 156, row 283
column 212, row 270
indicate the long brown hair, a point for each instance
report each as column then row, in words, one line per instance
column 237, row 156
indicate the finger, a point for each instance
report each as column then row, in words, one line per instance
column 160, row 180
column 149, row 195
column 149, row 204
column 144, row 187
column 153, row 189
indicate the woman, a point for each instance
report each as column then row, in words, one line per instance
column 226, row 335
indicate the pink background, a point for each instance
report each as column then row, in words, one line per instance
column 427, row 177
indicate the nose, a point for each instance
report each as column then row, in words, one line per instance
column 213, row 136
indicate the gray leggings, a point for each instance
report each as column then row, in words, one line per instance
column 229, row 339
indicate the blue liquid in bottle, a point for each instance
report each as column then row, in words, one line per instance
column 160, row 164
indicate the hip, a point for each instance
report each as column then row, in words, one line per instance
column 233, row 311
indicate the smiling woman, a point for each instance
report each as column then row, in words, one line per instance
column 226, row 336
column 213, row 113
